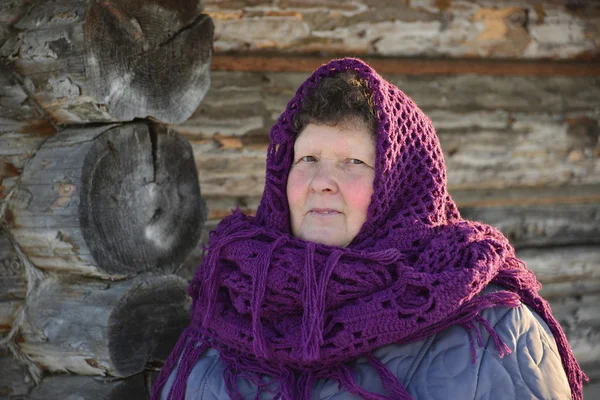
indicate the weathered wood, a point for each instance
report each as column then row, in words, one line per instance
column 591, row 390
column 99, row 328
column 23, row 128
column 113, row 60
column 527, row 195
column 409, row 66
column 90, row 388
column 194, row 259
column 543, row 225
column 467, row 96
column 10, row 12
column 482, row 28
column 13, row 284
column 571, row 283
column 15, row 382
column 580, row 319
column 563, row 264
column 109, row 200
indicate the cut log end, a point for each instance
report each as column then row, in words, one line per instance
column 145, row 325
column 140, row 200
column 155, row 56
column 98, row 328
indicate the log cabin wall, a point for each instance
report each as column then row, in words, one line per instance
column 512, row 87
column 96, row 211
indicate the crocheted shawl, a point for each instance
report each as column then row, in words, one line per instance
column 296, row 311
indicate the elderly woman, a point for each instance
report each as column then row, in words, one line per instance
column 357, row 278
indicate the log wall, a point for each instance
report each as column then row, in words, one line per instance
column 430, row 28
column 96, row 216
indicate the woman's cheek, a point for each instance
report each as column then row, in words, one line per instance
column 296, row 186
column 360, row 190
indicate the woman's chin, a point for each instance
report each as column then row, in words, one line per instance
column 328, row 237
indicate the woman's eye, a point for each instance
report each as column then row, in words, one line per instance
column 308, row 159
column 355, row 161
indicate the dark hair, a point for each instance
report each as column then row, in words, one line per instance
column 341, row 98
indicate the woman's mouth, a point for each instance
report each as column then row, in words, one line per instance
column 323, row 211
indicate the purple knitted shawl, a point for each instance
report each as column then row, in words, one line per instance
column 296, row 311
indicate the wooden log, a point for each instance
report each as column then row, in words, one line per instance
column 543, row 225
column 476, row 29
column 109, row 201
column 580, row 320
column 194, row 259
column 10, row 12
column 23, row 128
column 470, row 101
column 527, row 195
column 90, row 388
column 15, row 382
column 571, row 283
column 247, row 62
column 13, row 284
column 563, row 264
column 104, row 328
column 591, row 390
column 111, row 60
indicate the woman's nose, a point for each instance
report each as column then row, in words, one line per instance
column 324, row 180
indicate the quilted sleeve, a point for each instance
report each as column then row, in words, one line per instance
column 532, row 371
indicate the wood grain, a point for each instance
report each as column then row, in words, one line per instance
column 13, row 284
column 109, row 201
column 409, row 66
column 96, row 328
column 112, row 60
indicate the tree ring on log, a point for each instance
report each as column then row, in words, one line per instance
column 148, row 58
column 92, row 327
column 147, row 322
column 140, row 206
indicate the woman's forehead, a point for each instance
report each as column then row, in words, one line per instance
column 335, row 135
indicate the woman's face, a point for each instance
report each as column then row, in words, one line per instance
column 330, row 183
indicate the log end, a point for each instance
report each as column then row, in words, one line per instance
column 147, row 322
column 140, row 206
column 150, row 60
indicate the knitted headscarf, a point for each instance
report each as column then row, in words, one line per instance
column 296, row 311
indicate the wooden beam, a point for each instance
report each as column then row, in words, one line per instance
column 403, row 66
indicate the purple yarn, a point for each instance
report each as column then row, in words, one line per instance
column 274, row 305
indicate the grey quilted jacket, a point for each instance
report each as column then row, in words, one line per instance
column 439, row 367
